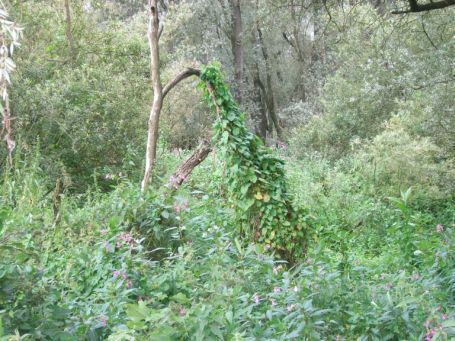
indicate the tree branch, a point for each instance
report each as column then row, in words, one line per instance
column 180, row 77
column 160, row 30
column 414, row 7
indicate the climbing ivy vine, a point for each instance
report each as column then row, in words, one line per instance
column 255, row 178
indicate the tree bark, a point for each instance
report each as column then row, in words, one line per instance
column 271, row 102
column 68, row 29
column 185, row 169
column 237, row 48
column 159, row 92
column 180, row 77
column 157, row 104
column 8, row 130
column 298, row 46
column 261, row 122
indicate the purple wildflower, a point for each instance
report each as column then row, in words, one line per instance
column 276, row 290
column 429, row 335
column 256, row 298
column 103, row 321
column 439, row 228
column 173, row 182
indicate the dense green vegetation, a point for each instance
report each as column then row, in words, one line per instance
column 339, row 227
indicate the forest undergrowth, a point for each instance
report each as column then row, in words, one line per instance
column 169, row 265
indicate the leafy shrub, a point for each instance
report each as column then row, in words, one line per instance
column 396, row 161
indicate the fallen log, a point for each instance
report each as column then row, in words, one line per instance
column 185, row 169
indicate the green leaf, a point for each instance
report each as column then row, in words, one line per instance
column 180, row 298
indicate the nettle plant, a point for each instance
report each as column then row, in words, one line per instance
column 255, row 179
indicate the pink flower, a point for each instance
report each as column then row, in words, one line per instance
column 444, row 317
column 273, row 302
column 182, row 311
column 173, row 182
column 426, row 324
column 429, row 335
column 124, row 276
column 183, row 206
column 125, row 238
column 115, row 273
column 256, row 298
column 439, row 228
column 103, row 321
column 383, row 275
column 290, row 307
column 276, row 290
column 129, row 284
column 103, row 231
column 389, row 286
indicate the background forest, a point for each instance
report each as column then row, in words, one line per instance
column 351, row 237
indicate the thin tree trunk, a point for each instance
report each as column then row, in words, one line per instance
column 153, row 122
column 260, row 117
column 271, row 103
column 298, row 46
column 69, row 33
column 159, row 92
column 8, row 130
column 237, row 47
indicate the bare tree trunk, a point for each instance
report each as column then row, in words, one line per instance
column 8, row 130
column 261, row 123
column 153, row 123
column 185, row 169
column 298, row 46
column 69, row 33
column 159, row 92
column 271, row 102
column 237, row 47
column 260, row 118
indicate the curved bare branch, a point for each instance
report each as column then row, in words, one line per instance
column 180, row 77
